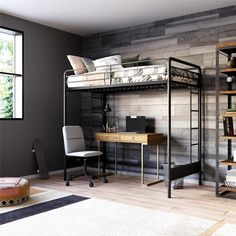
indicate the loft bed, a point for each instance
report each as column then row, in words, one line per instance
column 165, row 74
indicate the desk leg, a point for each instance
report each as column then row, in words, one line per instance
column 115, row 158
column 158, row 161
column 99, row 159
column 142, row 165
column 158, row 165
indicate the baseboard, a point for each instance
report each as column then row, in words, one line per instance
column 51, row 173
column 57, row 172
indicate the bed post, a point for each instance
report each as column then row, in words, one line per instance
column 217, row 88
column 64, row 120
column 169, row 127
column 200, row 124
column 64, row 98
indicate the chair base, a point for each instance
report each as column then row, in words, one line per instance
column 102, row 176
column 89, row 176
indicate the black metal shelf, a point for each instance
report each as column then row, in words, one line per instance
column 225, row 49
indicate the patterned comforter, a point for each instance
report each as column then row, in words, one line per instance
column 119, row 76
column 136, row 74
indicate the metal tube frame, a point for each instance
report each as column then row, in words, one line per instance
column 64, row 98
column 217, row 143
column 229, row 141
column 217, row 86
column 169, row 84
column 64, row 121
column 169, row 127
column 192, row 167
column 200, row 125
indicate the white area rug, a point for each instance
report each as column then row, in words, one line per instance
column 95, row 217
column 226, row 230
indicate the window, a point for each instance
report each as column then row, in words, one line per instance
column 11, row 74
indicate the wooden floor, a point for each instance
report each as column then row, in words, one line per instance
column 193, row 200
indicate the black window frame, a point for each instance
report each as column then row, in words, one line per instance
column 15, row 74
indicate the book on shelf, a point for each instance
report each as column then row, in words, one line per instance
column 228, row 126
column 230, row 178
column 230, row 184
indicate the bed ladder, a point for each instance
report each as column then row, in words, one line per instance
column 196, row 127
column 195, row 93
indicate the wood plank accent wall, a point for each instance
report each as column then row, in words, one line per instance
column 192, row 38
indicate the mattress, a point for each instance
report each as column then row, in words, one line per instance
column 118, row 76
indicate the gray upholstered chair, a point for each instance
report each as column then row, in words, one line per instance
column 74, row 146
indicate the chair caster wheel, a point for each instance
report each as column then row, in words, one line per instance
column 91, row 184
column 105, row 180
column 67, row 183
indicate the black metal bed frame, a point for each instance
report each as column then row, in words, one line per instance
column 195, row 89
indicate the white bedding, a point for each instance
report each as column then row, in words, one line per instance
column 118, row 76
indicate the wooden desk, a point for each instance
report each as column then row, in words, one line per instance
column 143, row 139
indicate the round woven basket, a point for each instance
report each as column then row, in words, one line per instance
column 13, row 191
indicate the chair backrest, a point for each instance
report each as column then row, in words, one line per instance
column 73, row 138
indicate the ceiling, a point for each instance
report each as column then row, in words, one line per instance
column 92, row 16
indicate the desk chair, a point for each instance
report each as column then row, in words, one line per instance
column 74, row 146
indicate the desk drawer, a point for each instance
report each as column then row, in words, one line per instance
column 129, row 138
column 107, row 137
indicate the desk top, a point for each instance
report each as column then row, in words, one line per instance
column 129, row 137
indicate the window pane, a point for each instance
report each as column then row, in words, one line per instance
column 6, row 96
column 18, row 53
column 7, row 53
column 11, row 78
column 18, row 97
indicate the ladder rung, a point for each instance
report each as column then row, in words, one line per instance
column 194, row 144
column 194, row 128
column 194, row 110
column 195, row 92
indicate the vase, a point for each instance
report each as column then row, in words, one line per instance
column 231, row 62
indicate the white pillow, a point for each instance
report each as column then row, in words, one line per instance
column 77, row 64
column 89, row 64
column 104, row 63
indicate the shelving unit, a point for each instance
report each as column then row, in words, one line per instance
column 224, row 188
column 228, row 114
column 227, row 138
column 228, row 163
column 225, row 49
column 228, row 71
column 228, row 92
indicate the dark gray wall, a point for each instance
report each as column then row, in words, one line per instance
column 192, row 38
column 45, row 51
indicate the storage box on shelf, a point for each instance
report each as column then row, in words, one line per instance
column 227, row 73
